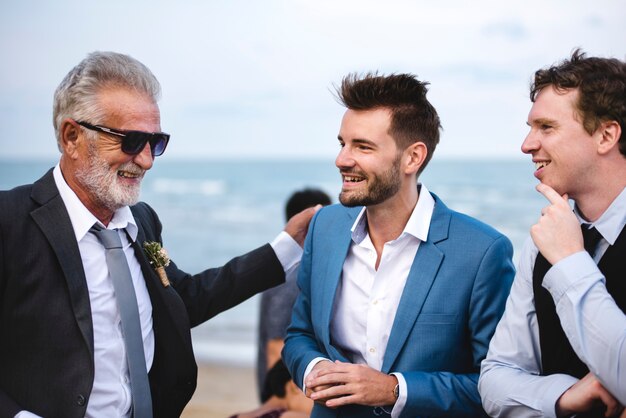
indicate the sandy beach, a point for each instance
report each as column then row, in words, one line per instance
column 222, row 391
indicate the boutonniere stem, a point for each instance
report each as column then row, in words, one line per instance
column 158, row 259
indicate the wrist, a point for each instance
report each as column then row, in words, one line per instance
column 561, row 412
column 395, row 389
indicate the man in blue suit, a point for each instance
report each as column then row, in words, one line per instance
column 399, row 294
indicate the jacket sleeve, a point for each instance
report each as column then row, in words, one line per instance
column 215, row 290
column 301, row 344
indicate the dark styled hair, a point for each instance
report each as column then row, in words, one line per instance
column 275, row 381
column 304, row 199
column 601, row 84
column 413, row 118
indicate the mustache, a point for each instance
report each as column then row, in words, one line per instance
column 352, row 172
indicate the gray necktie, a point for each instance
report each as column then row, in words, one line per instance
column 129, row 313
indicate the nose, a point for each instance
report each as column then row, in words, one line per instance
column 531, row 143
column 344, row 159
column 144, row 159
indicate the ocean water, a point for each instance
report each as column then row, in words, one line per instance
column 214, row 210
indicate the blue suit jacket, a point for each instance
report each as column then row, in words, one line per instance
column 452, row 301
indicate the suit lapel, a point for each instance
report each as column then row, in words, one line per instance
column 340, row 238
column 419, row 281
column 159, row 295
column 54, row 222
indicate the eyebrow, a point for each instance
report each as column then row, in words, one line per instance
column 359, row 141
column 542, row 121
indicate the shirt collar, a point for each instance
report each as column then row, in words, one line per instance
column 612, row 221
column 417, row 225
column 82, row 220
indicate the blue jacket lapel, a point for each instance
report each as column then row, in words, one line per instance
column 340, row 238
column 421, row 277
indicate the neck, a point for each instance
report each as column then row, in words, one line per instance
column 387, row 220
column 597, row 199
column 591, row 209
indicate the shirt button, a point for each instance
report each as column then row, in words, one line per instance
column 375, row 302
column 372, row 350
column 80, row 400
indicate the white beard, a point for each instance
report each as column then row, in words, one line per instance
column 103, row 185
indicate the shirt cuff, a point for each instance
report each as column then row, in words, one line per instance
column 308, row 369
column 568, row 272
column 402, row 396
column 287, row 250
column 553, row 392
column 26, row 414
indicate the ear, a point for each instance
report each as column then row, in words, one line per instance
column 414, row 156
column 70, row 137
column 610, row 134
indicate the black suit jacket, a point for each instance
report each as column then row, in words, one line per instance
column 46, row 330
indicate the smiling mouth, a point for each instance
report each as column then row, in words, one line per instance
column 352, row 179
column 541, row 164
column 129, row 175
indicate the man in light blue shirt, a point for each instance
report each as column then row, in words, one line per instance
column 560, row 348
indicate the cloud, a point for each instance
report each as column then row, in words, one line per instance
column 245, row 78
column 512, row 30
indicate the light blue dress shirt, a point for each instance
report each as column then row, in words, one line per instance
column 510, row 384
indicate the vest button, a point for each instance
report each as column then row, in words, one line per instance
column 80, row 400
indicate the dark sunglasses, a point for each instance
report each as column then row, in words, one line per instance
column 133, row 142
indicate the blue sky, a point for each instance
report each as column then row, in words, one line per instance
column 254, row 79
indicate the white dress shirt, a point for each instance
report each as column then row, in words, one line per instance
column 367, row 299
column 111, row 395
column 510, row 383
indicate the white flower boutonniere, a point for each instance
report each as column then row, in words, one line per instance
column 158, row 259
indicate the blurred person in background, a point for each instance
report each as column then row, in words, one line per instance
column 277, row 303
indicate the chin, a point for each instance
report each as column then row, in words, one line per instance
column 118, row 197
column 560, row 189
column 352, row 199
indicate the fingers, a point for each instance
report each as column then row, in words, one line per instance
column 310, row 380
column 338, row 395
column 329, row 378
column 336, row 367
column 613, row 407
column 298, row 225
column 551, row 194
column 326, row 393
column 311, row 391
column 584, row 395
column 329, row 381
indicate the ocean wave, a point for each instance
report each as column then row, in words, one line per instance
column 226, row 352
column 189, row 186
